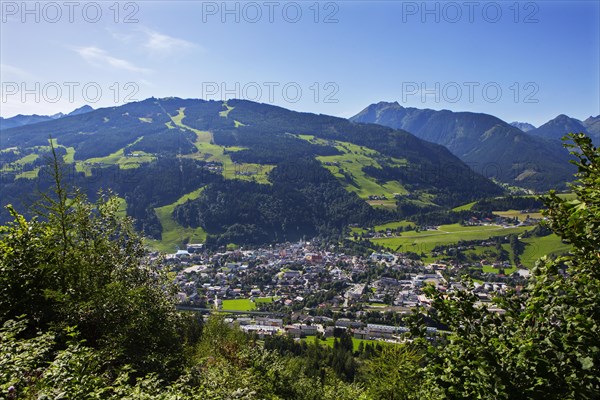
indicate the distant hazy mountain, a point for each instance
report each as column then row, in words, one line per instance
column 524, row 126
column 559, row 127
column 22, row 120
column 81, row 110
column 486, row 143
column 592, row 124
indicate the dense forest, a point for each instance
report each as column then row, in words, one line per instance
column 508, row 203
column 294, row 205
column 144, row 188
column 85, row 314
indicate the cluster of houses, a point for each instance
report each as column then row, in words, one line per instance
column 326, row 327
column 291, row 273
column 327, row 289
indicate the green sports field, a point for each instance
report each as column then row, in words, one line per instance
column 244, row 304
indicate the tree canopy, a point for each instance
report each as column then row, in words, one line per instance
column 547, row 343
column 85, row 313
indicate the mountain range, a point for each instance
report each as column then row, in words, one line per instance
column 524, row 126
column 562, row 124
column 22, row 120
column 238, row 171
column 495, row 148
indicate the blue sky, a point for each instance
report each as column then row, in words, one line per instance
column 526, row 61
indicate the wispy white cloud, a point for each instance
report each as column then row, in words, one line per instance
column 100, row 58
column 159, row 43
column 153, row 43
column 125, row 38
column 11, row 72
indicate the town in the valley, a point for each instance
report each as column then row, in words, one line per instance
column 307, row 289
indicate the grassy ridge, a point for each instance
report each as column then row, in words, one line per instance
column 347, row 167
column 208, row 151
column 173, row 234
column 465, row 207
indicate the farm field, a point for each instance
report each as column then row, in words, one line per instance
column 518, row 214
column 540, row 246
column 118, row 157
column 392, row 225
column 425, row 241
column 29, row 174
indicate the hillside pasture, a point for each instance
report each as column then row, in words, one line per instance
column 426, row 241
column 175, row 235
column 348, row 169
